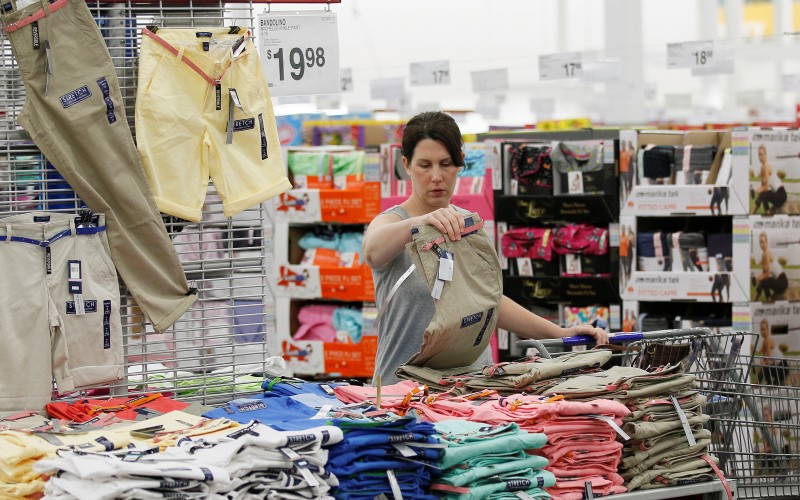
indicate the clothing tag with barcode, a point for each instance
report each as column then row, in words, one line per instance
column 436, row 291
column 687, row 429
column 446, row 266
column 610, row 421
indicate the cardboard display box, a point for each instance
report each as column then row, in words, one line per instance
column 720, row 278
column 722, row 190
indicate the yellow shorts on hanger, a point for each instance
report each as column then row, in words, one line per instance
column 203, row 110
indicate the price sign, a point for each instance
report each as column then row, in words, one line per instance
column 678, row 101
column 722, row 64
column 790, row 83
column 543, row 108
column 346, row 76
column 489, row 80
column 387, row 88
column 604, row 70
column 490, row 110
column 329, row 101
column 300, row 52
column 690, row 54
column 429, row 73
column 559, row 66
column 750, row 98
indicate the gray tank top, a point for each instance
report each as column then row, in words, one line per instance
column 402, row 326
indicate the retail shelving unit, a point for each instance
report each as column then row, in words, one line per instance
column 680, row 208
column 546, row 286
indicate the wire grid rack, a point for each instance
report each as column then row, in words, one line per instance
column 210, row 354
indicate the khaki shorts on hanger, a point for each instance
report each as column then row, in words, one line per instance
column 203, row 109
column 44, row 258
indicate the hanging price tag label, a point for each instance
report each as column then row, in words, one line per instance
column 300, row 52
column 429, row 73
column 387, row 88
column 690, row 54
column 346, row 75
column 559, row 66
column 489, row 80
column 790, row 83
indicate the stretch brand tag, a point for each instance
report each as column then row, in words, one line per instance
column 74, row 97
column 218, row 99
column 479, row 337
column 106, row 324
column 35, row 35
column 264, row 153
column 105, row 90
column 48, row 260
column 244, row 124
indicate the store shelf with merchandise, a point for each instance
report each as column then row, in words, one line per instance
column 556, row 207
column 324, row 291
column 681, row 199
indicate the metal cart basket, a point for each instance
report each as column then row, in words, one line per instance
column 753, row 402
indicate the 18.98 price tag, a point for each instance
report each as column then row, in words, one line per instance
column 690, row 54
column 300, row 52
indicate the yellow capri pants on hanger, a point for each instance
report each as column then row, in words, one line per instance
column 203, row 109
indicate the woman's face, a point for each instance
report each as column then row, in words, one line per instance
column 762, row 154
column 432, row 172
column 762, row 242
column 764, row 327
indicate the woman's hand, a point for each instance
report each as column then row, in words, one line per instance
column 447, row 221
column 600, row 336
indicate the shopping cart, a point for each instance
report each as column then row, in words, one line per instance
column 754, row 412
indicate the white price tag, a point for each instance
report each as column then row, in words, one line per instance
column 722, row 64
column 329, row 101
column 690, row 54
column 488, row 108
column 387, row 88
column 489, row 80
column 346, row 76
column 543, row 107
column 300, row 52
column 430, row 73
column 790, row 83
column 650, row 91
column 750, row 98
column 559, row 66
column 678, row 101
column 605, row 70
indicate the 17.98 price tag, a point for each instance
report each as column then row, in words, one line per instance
column 300, row 52
column 560, row 66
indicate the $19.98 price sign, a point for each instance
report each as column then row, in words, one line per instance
column 300, row 52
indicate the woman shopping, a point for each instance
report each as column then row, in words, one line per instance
column 432, row 156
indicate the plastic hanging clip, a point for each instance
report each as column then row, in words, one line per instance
column 234, row 30
column 152, row 27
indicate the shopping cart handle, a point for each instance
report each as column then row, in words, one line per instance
column 617, row 338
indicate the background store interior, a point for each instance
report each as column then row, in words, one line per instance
column 626, row 40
